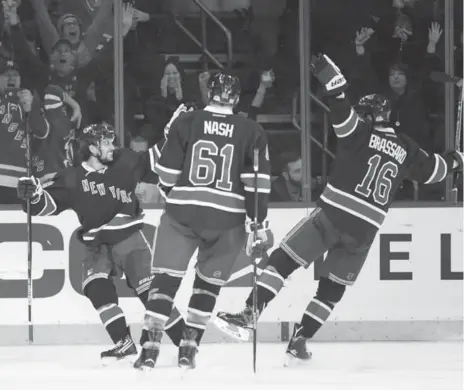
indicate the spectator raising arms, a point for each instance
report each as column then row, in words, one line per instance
column 63, row 70
column 69, row 27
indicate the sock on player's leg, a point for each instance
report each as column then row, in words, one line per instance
column 321, row 306
column 173, row 327
column 114, row 321
column 102, row 293
column 271, row 281
column 201, row 305
column 163, row 289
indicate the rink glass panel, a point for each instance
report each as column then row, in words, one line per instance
column 129, row 92
column 281, row 38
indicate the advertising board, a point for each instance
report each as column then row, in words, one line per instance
column 411, row 286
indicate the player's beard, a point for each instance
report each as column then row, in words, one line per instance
column 105, row 159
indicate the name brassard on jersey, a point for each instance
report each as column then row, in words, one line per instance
column 219, row 128
column 388, row 147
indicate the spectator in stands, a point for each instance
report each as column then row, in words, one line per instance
column 255, row 94
column 63, row 70
column 287, row 186
column 363, row 78
column 173, row 91
column 406, row 83
column 69, row 26
column 19, row 108
column 408, row 107
column 400, row 38
column 172, row 83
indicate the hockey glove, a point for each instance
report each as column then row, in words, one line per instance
column 329, row 75
column 264, row 240
column 181, row 109
column 29, row 188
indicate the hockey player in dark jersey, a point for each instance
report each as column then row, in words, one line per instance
column 206, row 171
column 101, row 191
column 370, row 163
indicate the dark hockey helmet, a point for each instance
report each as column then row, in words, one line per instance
column 375, row 106
column 93, row 134
column 224, row 89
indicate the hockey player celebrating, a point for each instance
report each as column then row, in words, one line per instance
column 101, row 191
column 370, row 163
column 206, row 171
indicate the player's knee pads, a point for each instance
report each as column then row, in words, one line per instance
column 282, row 263
column 329, row 291
column 101, row 292
column 165, row 284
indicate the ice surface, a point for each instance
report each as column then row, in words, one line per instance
column 369, row 366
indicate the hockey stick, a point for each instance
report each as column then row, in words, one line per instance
column 29, row 233
column 459, row 122
column 457, row 141
column 255, row 260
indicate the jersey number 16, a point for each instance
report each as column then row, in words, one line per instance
column 381, row 176
column 203, row 169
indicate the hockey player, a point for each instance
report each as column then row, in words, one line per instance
column 206, row 171
column 101, row 191
column 370, row 163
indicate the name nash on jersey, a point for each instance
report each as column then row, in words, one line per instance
column 388, row 147
column 219, row 128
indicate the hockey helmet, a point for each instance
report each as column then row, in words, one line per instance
column 93, row 134
column 376, row 106
column 224, row 89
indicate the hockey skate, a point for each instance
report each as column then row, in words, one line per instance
column 151, row 342
column 296, row 349
column 237, row 325
column 124, row 349
column 188, row 349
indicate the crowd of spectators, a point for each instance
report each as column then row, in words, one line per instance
column 62, row 51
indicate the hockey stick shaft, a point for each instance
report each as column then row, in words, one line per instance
column 459, row 121
column 29, row 235
column 457, row 141
column 255, row 260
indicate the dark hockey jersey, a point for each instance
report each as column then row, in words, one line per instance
column 104, row 201
column 370, row 164
column 207, row 166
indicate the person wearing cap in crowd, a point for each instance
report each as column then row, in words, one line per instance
column 69, row 26
column 63, row 70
